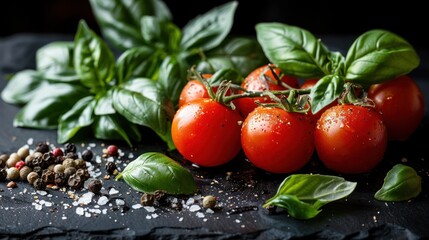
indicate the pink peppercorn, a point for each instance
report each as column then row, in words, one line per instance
column 112, row 150
column 57, row 152
column 20, row 164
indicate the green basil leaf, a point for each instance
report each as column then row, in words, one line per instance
column 146, row 87
column 22, row 87
column 171, row 79
column 294, row 50
column 138, row 109
column 154, row 171
column 104, row 104
column 138, row 62
column 306, row 193
column 225, row 74
column 119, row 20
column 400, row 184
column 379, row 55
column 115, row 127
column 78, row 117
column 51, row 101
column 208, row 30
column 241, row 54
column 159, row 34
column 93, row 60
column 55, row 61
column 326, row 90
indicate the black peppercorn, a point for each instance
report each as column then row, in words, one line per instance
column 83, row 174
column 71, row 155
column 42, row 147
column 3, row 159
column 48, row 177
column 37, row 161
column 110, row 167
column 160, row 196
column 48, row 159
column 75, row 181
column 60, row 179
column 39, row 184
column 87, row 155
column 147, row 199
column 95, row 186
column 3, row 174
column 70, row 148
column 38, row 170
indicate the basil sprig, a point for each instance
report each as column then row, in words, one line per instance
column 79, row 86
column 154, row 171
column 302, row 195
column 400, row 184
column 374, row 57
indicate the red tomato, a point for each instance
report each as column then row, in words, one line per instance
column 314, row 117
column 262, row 79
column 350, row 139
column 276, row 140
column 401, row 104
column 194, row 89
column 206, row 132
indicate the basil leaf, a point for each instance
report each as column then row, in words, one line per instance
column 303, row 194
column 400, row 184
column 326, row 90
column 208, row 30
column 51, row 101
column 119, row 20
column 22, row 87
column 104, row 104
column 138, row 109
column 93, row 60
column 379, row 55
column 154, row 171
column 225, row 74
column 55, row 61
column 138, row 62
column 241, row 54
column 113, row 126
column 294, row 50
column 171, row 79
column 163, row 35
column 78, row 117
column 144, row 86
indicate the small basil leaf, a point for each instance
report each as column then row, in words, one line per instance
column 104, row 104
column 400, row 184
column 154, row 171
column 113, row 126
column 208, row 30
column 379, row 55
column 241, row 54
column 93, row 60
column 303, row 194
column 138, row 62
column 22, row 87
column 78, row 117
column 171, row 79
column 119, row 20
column 225, row 74
column 160, row 34
column 144, row 86
column 138, row 109
column 294, row 50
column 326, row 90
column 52, row 101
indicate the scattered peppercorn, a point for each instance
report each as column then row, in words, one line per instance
column 110, row 167
column 71, row 155
column 20, row 164
column 75, row 181
column 23, row 152
column 209, row 201
column 83, row 174
column 80, row 163
column 60, row 179
column 38, row 170
column 59, row 168
column 87, row 155
column 147, row 199
column 13, row 173
column 3, row 174
column 11, row 184
column 48, row 177
column 39, row 184
column 23, row 172
column 42, row 147
column 95, row 186
column 3, row 159
column 112, row 150
column 70, row 148
column 31, row 177
column 69, row 171
column 12, row 160
column 57, row 152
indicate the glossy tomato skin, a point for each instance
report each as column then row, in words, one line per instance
column 277, row 141
column 262, row 79
column 206, row 132
column 314, row 117
column 193, row 89
column 401, row 103
column 350, row 139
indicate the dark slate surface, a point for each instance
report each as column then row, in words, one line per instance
column 241, row 195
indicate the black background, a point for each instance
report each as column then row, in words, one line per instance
column 408, row 19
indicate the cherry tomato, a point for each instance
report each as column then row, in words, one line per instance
column 262, row 79
column 206, row 132
column 314, row 117
column 194, row 89
column 401, row 103
column 276, row 140
column 350, row 139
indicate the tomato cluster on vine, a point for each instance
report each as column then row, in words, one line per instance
column 269, row 118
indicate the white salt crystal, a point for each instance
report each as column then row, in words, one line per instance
column 209, row 210
column 41, row 192
column 148, row 217
column 149, row 208
column 87, row 214
column 130, row 155
column 30, row 141
column 180, row 219
column 154, row 215
column 38, row 207
column 103, row 200
column 136, row 206
column 194, row 208
column 104, row 211
column 80, row 211
column 86, row 198
column 113, row 191
column 200, row 215
column 120, row 202
column 190, row 201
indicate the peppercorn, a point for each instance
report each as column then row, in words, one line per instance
column 147, row 199
column 69, row 171
column 31, row 177
column 13, row 159
column 95, row 186
column 70, row 148
column 112, row 150
column 3, row 174
column 37, row 161
column 80, row 163
column 20, row 164
column 38, row 170
column 160, row 196
column 39, row 184
column 59, row 168
column 48, row 177
column 42, row 147
column 75, row 181
column 11, row 184
column 60, row 179
column 69, row 162
column 71, row 155
column 209, row 201
column 3, row 159
column 83, row 174
column 87, row 155
column 13, row 173
column 29, row 160
column 23, row 172
column 48, row 159
column 23, row 152
column 57, row 152
column 110, row 167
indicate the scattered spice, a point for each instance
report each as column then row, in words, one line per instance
column 95, row 186
column 11, row 184
column 209, row 201
column 110, row 167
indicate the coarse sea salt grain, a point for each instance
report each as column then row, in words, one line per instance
column 113, row 191
column 86, row 198
column 120, row 202
column 80, row 211
column 194, row 208
column 190, row 201
column 200, row 215
column 41, row 192
column 103, row 200
column 149, row 208
column 136, row 206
